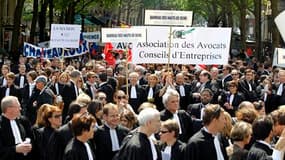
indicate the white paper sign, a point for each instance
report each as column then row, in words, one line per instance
column 279, row 57
column 280, row 23
column 65, row 36
column 168, row 17
column 188, row 46
column 123, row 34
column 91, row 36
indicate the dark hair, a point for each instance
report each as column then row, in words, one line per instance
column 73, row 109
column 211, row 112
column 103, row 77
column 94, row 106
column 261, row 127
column 50, row 109
column 32, row 74
column 171, row 125
column 82, row 123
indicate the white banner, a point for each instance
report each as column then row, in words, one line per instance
column 280, row 23
column 123, row 34
column 168, row 17
column 65, row 36
column 30, row 50
column 188, row 46
column 91, row 36
column 279, row 57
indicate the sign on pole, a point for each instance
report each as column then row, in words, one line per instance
column 91, row 36
column 168, row 18
column 189, row 45
column 280, row 23
column 65, row 36
column 123, row 34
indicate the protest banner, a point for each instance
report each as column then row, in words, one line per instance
column 189, row 45
column 30, row 50
column 123, row 35
column 279, row 57
column 168, row 18
column 65, row 36
column 91, row 36
column 279, row 20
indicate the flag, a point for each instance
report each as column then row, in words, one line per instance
column 108, row 54
column 130, row 55
column 93, row 49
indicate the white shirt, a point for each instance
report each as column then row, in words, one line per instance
column 153, row 150
column 114, row 139
column 31, row 88
column 16, row 132
column 133, row 92
column 182, row 90
column 7, row 92
column 176, row 118
column 166, row 154
column 89, row 153
column 22, row 80
column 280, row 90
column 150, row 93
column 219, row 152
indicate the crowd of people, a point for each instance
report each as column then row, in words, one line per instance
column 54, row 110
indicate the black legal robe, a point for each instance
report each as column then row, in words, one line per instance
column 136, row 148
column 201, row 147
column 185, row 123
column 103, row 142
column 177, row 150
column 259, row 151
column 42, row 138
column 238, row 153
column 76, row 150
column 58, row 141
column 7, row 141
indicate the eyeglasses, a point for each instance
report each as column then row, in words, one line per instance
column 101, row 98
column 57, row 116
column 121, row 97
column 162, row 132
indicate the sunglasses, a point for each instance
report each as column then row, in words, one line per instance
column 121, row 97
column 163, row 132
column 57, row 116
column 101, row 98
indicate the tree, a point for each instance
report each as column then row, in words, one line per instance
column 34, row 21
column 16, row 29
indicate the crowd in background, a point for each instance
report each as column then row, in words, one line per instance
column 86, row 109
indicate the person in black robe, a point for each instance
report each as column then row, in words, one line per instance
column 140, row 146
column 262, row 132
column 60, row 138
column 52, row 120
column 171, row 111
column 14, row 146
column 103, row 135
column 201, row 145
column 171, row 148
column 83, row 127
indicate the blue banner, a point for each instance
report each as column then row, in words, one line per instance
column 30, row 50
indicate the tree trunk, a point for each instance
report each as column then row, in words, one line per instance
column 70, row 13
column 16, row 29
column 257, row 14
column 34, row 21
column 229, row 13
column 42, row 20
column 119, row 12
column 51, row 6
column 275, row 32
column 243, row 8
